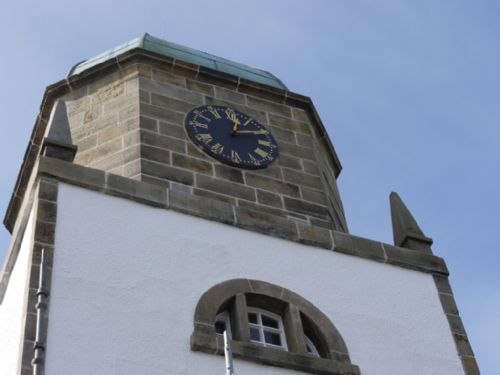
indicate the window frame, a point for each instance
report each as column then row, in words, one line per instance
column 261, row 327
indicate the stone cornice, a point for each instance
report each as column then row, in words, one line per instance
column 162, row 197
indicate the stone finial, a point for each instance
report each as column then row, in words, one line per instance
column 405, row 229
column 58, row 143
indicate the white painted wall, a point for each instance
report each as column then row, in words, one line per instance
column 127, row 278
column 13, row 307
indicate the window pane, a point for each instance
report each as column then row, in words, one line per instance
column 269, row 322
column 254, row 334
column 272, row 338
column 252, row 318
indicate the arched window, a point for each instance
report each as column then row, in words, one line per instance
column 271, row 325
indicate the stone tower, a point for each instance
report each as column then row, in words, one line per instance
column 168, row 195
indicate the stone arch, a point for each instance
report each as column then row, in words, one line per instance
column 237, row 292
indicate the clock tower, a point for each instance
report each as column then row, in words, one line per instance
column 168, row 196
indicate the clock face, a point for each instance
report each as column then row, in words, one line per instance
column 231, row 137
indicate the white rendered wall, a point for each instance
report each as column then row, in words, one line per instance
column 13, row 308
column 127, row 277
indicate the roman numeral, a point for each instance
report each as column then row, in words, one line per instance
column 253, row 160
column 247, row 122
column 260, row 152
column 214, row 112
column 217, row 148
column 204, row 137
column 198, row 124
column 199, row 114
column 264, row 143
column 235, row 157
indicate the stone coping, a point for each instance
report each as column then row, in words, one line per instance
column 168, row 198
column 275, row 357
column 139, row 55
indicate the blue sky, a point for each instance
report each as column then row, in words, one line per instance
column 408, row 90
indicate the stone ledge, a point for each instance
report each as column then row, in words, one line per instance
column 157, row 196
column 274, row 357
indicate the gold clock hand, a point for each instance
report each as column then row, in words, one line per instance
column 261, row 131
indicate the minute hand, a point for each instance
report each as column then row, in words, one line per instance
column 261, row 131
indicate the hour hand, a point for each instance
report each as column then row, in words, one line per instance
column 258, row 132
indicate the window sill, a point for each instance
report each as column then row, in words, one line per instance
column 274, row 357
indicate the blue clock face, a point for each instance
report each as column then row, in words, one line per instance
column 231, row 137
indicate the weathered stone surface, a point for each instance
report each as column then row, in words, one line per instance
column 272, row 171
column 456, row 324
column 262, row 91
column 305, row 207
column 289, row 162
column 168, row 78
column 147, row 123
column 225, row 187
column 470, row 366
column 91, row 178
column 262, row 208
column 230, row 95
column 197, row 153
column 47, row 210
column 163, row 141
column 282, row 134
column 463, row 345
column 289, row 124
column 191, row 164
column 304, row 140
column 297, row 151
column 161, row 113
column 266, row 223
column 167, row 172
column 310, row 167
column 415, row 259
column 212, row 195
column 265, row 105
column 200, row 87
column 353, row 245
column 170, row 103
column 269, row 199
column 315, row 196
column 172, row 130
column 300, row 178
column 137, row 190
column 144, row 97
column 272, row 185
column 448, row 303
column 300, row 115
column 217, row 78
column 118, row 159
column 229, row 173
column 48, row 189
column 155, row 180
column 200, row 206
column 442, row 284
column 321, row 223
column 171, row 91
column 314, row 236
column 44, row 232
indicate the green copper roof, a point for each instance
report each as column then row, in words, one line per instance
column 178, row 52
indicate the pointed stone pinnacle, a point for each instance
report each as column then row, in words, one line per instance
column 57, row 143
column 405, row 229
column 59, row 129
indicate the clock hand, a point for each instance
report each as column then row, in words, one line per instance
column 261, row 131
column 236, row 123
